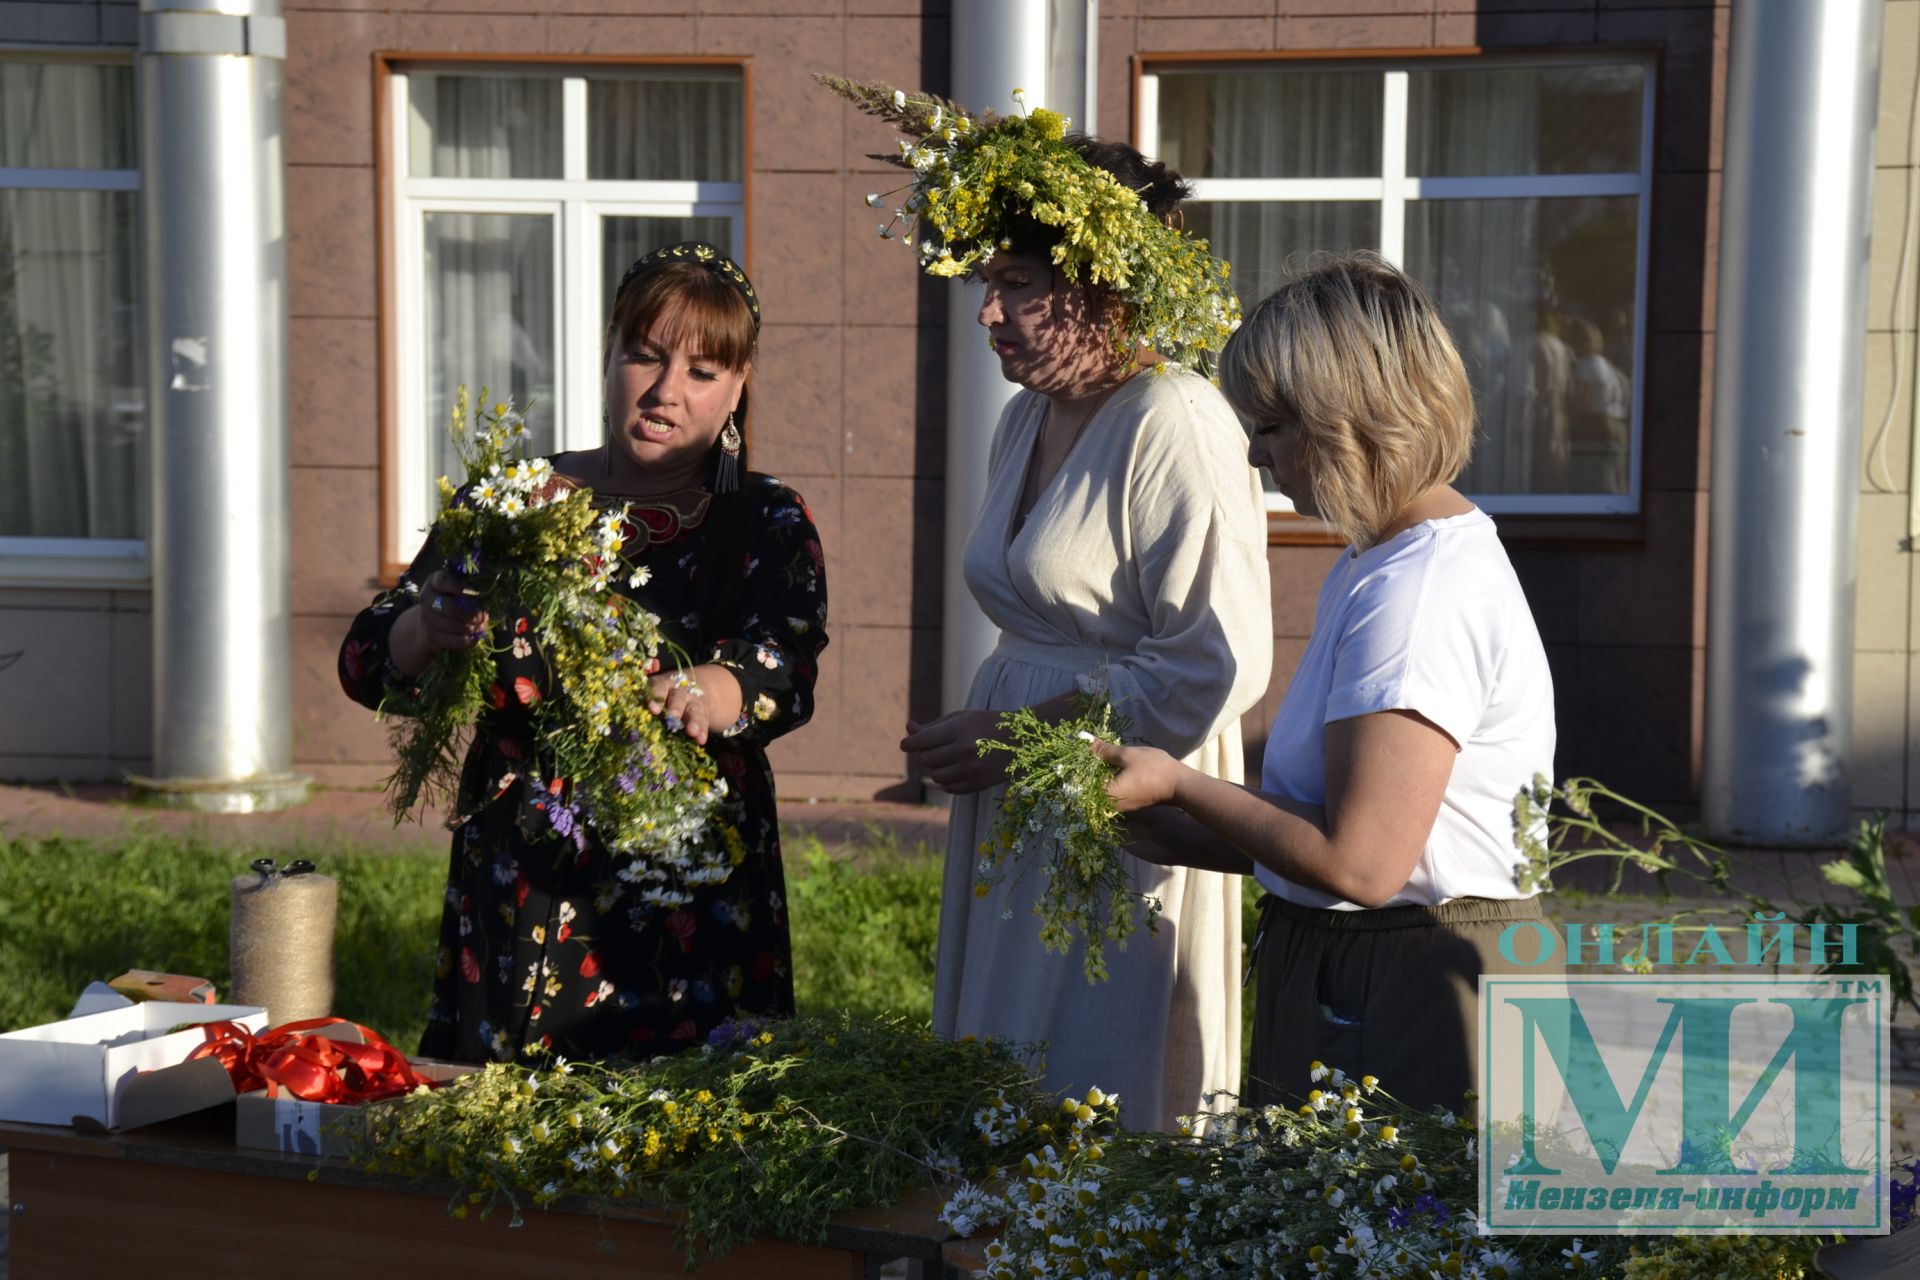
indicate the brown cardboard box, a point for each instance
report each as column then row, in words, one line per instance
column 174, row 988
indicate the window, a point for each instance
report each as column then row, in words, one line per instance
column 73, row 423
column 520, row 196
column 1516, row 191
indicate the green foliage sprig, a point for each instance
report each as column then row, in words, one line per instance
column 533, row 549
column 1056, row 815
column 765, row 1132
column 1580, row 819
column 974, row 174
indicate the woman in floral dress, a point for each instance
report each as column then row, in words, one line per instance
column 541, row 943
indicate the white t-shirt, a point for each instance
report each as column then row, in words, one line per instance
column 1431, row 620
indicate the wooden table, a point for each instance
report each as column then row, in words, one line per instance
column 179, row 1198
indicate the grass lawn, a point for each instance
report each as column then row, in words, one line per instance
column 75, row 911
column 865, row 921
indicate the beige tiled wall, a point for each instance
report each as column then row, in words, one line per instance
column 1884, row 668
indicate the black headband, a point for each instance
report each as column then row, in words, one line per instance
column 707, row 256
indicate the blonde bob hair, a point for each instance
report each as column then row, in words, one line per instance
column 1355, row 353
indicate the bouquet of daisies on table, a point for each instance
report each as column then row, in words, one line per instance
column 538, row 556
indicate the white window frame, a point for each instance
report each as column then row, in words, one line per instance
column 1394, row 190
column 72, row 562
column 576, row 203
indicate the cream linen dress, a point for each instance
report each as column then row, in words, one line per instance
column 1146, row 552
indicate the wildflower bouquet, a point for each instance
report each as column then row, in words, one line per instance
column 1351, row 1183
column 766, row 1132
column 974, row 175
column 532, row 548
column 1056, row 814
column 1557, row 825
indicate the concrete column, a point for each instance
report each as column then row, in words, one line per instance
column 213, row 192
column 1802, row 105
column 1042, row 47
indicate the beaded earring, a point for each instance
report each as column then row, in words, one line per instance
column 726, row 471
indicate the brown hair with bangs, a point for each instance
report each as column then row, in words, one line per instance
column 688, row 303
column 1355, row 352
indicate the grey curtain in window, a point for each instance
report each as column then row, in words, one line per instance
column 73, row 430
column 664, row 127
column 1240, row 124
column 489, row 277
column 490, row 284
column 1539, row 293
column 490, row 319
column 468, row 126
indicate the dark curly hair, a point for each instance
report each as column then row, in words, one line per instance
column 1160, row 188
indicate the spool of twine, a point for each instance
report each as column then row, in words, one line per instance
column 283, row 944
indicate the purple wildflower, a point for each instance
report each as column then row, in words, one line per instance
column 1904, row 1197
column 629, row 780
column 562, row 818
column 734, row 1031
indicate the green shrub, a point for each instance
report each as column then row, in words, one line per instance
column 864, row 927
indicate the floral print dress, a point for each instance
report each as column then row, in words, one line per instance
column 541, row 944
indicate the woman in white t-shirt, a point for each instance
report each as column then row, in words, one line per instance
column 1382, row 829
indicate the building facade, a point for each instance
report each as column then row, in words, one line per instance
column 462, row 188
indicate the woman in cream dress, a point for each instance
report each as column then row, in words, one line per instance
column 1122, row 532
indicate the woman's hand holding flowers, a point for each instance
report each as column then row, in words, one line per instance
column 696, row 700
column 1145, row 775
column 948, row 749
column 446, row 618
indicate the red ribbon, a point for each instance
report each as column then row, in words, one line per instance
column 311, row 1067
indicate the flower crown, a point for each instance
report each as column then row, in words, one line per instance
column 975, row 175
column 707, row 256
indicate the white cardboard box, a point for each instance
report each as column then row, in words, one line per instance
column 80, row 1067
